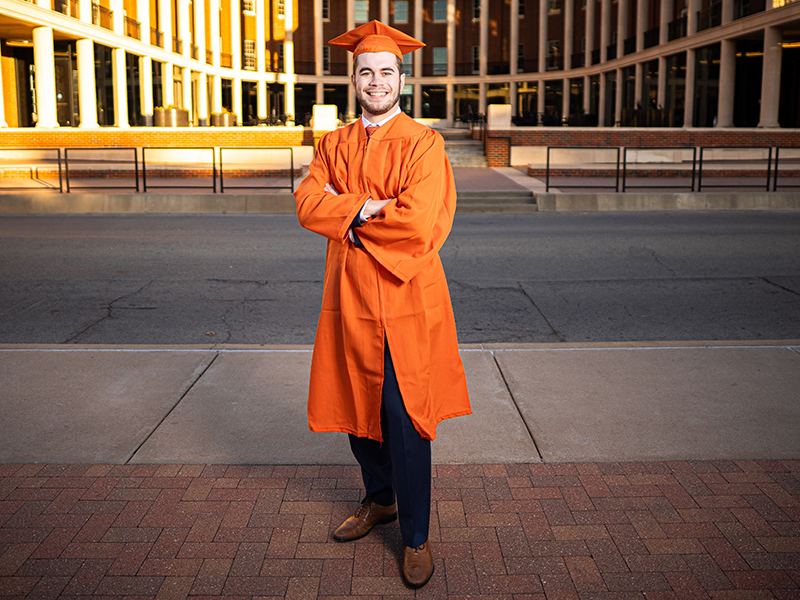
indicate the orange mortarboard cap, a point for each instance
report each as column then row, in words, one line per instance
column 376, row 37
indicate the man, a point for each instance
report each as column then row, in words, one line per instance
column 386, row 368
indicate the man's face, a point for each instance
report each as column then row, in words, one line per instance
column 378, row 81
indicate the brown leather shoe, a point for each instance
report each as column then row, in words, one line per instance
column 418, row 565
column 367, row 515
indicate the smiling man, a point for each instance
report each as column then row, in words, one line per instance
column 386, row 368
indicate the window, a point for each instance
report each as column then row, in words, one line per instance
column 476, row 59
column 408, row 64
column 326, row 10
column 326, row 60
column 439, row 60
column 250, row 54
column 521, row 9
column 401, row 11
column 281, row 68
column 476, row 9
column 583, row 45
column 440, row 10
column 249, row 5
column 520, row 58
column 281, row 9
column 362, row 11
column 555, row 5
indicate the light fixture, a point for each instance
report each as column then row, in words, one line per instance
column 790, row 44
column 19, row 43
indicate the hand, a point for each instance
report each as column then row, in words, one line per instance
column 330, row 189
column 374, row 207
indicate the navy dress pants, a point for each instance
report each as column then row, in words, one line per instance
column 400, row 467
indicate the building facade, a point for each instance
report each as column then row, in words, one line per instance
column 646, row 63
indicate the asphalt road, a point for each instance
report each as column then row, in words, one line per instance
column 534, row 277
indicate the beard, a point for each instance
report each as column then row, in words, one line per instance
column 378, row 106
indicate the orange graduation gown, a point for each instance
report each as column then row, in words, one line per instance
column 392, row 289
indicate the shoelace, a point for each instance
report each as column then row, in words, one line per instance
column 360, row 510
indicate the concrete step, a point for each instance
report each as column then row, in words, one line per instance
column 494, row 198
column 474, row 208
column 466, row 153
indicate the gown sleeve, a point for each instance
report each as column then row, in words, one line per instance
column 322, row 212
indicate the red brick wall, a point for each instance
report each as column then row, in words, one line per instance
column 154, row 137
column 499, row 142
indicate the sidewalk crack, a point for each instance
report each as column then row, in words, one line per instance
column 516, row 405
column 108, row 308
column 779, row 286
column 555, row 333
column 204, row 366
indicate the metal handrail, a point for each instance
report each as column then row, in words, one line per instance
column 775, row 185
column 625, row 186
column 259, row 187
column 14, row 152
column 105, row 150
column 547, row 172
column 737, row 185
column 213, row 169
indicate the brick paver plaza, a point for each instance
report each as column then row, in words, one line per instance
column 655, row 530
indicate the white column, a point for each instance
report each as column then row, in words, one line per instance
column 216, row 94
column 513, row 51
column 605, row 31
column 85, row 11
column 771, row 78
column 261, row 95
column 543, row 46
column 3, row 122
column 565, row 97
column 117, row 16
column 188, row 104
column 44, row 63
column 688, row 111
column 451, row 38
column 213, row 33
column 385, row 11
column 662, row 82
column 484, row 37
column 540, row 90
column 727, row 83
column 691, row 16
column 622, row 27
column 642, row 10
column 146, row 89
column 200, row 29
column 591, row 18
column 587, row 93
column 120, row 88
column 351, row 98
column 418, row 61
column 237, row 98
column 143, row 16
column 184, row 31
column 167, row 85
column 601, row 108
column 727, row 11
column 618, row 98
column 667, row 9
column 87, row 92
column 202, row 100
column 288, row 60
column 569, row 33
column 637, row 85
column 236, row 45
column 165, row 25
column 318, row 45
column 261, row 47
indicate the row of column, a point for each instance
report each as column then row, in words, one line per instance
column 44, row 64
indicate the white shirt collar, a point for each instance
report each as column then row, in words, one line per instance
column 396, row 112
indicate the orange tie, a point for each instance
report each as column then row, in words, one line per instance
column 370, row 129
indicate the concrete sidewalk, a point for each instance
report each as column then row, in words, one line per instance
column 533, row 403
column 188, row 472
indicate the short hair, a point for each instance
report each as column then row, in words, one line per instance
column 399, row 64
